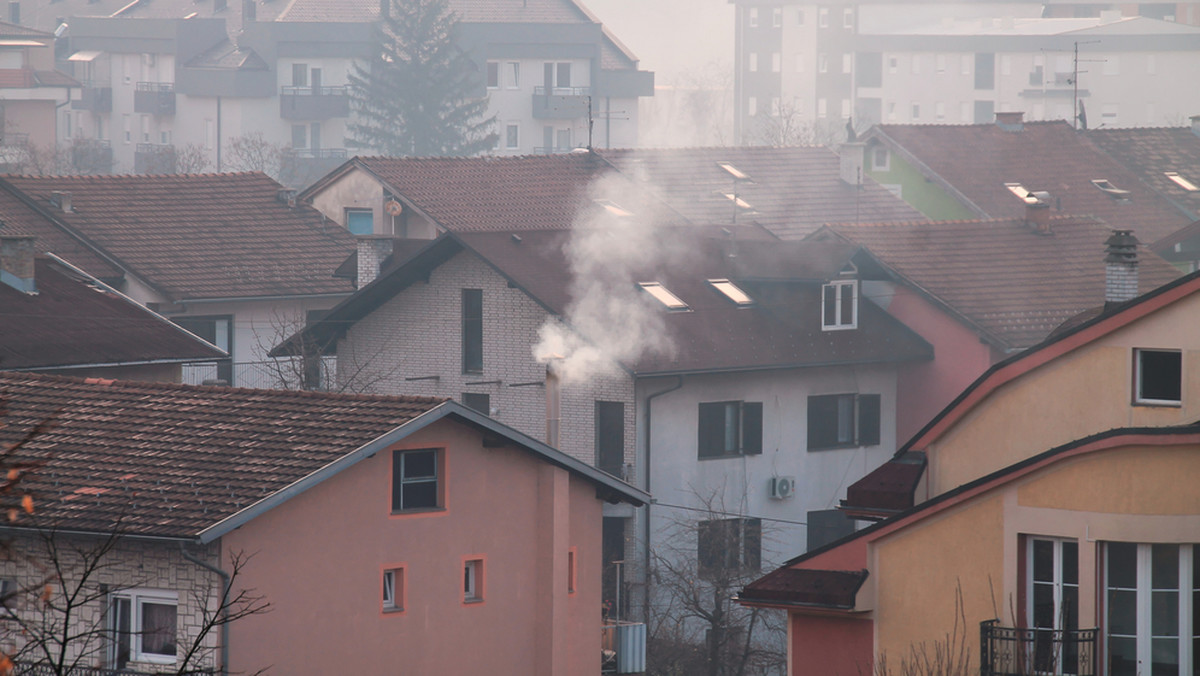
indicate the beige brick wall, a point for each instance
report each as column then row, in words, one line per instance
column 418, row 334
column 130, row 564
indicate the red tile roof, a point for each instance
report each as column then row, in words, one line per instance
column 71, row 321
column 793, row 191
column 806, row 587
column 1150, row 153
column 19, row 218
column 172, row 460
column 1013, row 284
column 196, row 236
column 977, row 160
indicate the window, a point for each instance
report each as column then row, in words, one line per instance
column 916, row 111
column 512, row 136
column 478, row 401
column 493, row 75
column 664, row 296
column 843, row 421
column 730, row 428
column 822, row 108
column 473, row 580
column 880, row 158
column 299, row 75
column 1181, row 181
column 893, row 64
column 776, row 62
column 800, row 17
column 1151, row 618
column 393, row 590
column 822, row 63
column 847, row 62
column 753, row 62
column 125, row 125
column 1006, row 64
column 610, row 437
column 564, row 75
column 513, row 71
column 823, row 17
column 360, row 221
column 839, row 305
column 732, row 291
column 1159, row 377
column 985, row 70
column 472, row 330
column 754, row 17
column 217, row 330
column 145, row 128
column 848, row 17
column 572, row 573
column 729, row 546
column 752, row 106
column 142, row 623
column 777, row 17
column 939, row 111
column 1052, row 602
column 415, row 483
column 8, row 597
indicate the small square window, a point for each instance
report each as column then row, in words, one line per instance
column 393, row 590
column 839, row 305
column 1159, row 377
column 415, row 480
column 360, row 221
column 478, row 401
column 473, row 580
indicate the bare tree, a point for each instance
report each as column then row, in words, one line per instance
column 949, row 655
column 307, row 368
column 191, row 159
column 253, row 152
column 788, row 126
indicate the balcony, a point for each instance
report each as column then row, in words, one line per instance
column 154, row 158
column 300, row 167
column 154, row 98
column 95, row 97
column 42, row 669
column 560, row 103
column 622, row 647
column 1016, row 651
column 314, row 103
column 92, row 156
column 285, row 373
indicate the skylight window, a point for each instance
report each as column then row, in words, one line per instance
column 732, row 292
column 1027, row 196
column 741, row 203
column 1110, row 189
column 1017, row 189
column 1181, row 181
column 664, row 296
column 613, row 208
column 737, row 174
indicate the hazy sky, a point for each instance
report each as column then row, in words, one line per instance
column 671, row 36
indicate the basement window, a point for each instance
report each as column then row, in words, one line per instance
column 732, row 292
column 664, row 296
column 1181, row 181
column 1158, row 376
column 1110, row 189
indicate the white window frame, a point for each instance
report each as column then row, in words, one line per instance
column 473, row 571
column 393, row 590
column 512, row 75
column 1144, row 592
column 840, row 288
column 1058, row 585
column 508, row 140
column 1138, row 398
column 136, row 598
column 753, row 19
column 848, row 17
column 823, row 17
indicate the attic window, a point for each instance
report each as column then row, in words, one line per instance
column 1110, row 189
column 613, row 208
column 737, row 174
column 1181, row 181
column 839, row 305
column 662, row 295
column 741, row 203
column 732, row 292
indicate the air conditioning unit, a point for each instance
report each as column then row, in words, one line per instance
column 782, row 487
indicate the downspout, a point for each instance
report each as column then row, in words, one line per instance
column 649, row 399
column 225, row 584
column 218, row 139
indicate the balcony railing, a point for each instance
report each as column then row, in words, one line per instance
column 1019, row 651
column 154, row 98
column 560, row 103
column 272, row 374
column 154, row 158
column 20, row 669
column 95, row 96
column 314, row 103
column 622, row 648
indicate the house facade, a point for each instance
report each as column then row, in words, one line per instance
column 1048, row 512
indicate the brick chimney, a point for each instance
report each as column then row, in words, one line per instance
column 1037, row 212
column 373, row 250
column 16, row 262
column 852, row 154
column 1121, row 267
column 61, row 199
column 1011, row 121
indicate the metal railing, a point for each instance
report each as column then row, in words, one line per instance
column 285, row 373
column 42, row 669
column 1020, row 651
column 157, row 87
column 562, row 91
column 339, row 90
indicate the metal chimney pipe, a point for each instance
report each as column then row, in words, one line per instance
column 553, row 402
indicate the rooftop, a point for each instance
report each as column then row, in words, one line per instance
column 1167, row 159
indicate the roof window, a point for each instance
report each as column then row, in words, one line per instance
column 1110, row 189
column 741, row 203
column 732, row 292
column 1181, row 181
column 613, row 208
column 664, row 296
column 737, row 174
column 1028, row 196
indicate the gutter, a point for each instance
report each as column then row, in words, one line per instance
column 225, row 589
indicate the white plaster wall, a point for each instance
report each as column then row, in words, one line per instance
column 357, row 189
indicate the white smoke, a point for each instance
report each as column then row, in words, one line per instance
column 609, row 319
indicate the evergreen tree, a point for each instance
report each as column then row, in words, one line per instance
column 415, row 94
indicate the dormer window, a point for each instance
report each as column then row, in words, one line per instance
column 1111, row 190
column 732, row 292
column 1181, row 181
column 839, row 305
column 664, row 296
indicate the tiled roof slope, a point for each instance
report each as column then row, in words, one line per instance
column 200, row 236
column 19, row 218
column 44, row 14
column 472, row 11
column 783, row 328
column 12, row 30
column 512, row 193
column 793, row 191
column 1151, row 152
column 1012, row 283
column 977, row 160
column 171, row 460
column 71, row 321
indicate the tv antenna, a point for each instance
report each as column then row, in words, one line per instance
column 608, row 115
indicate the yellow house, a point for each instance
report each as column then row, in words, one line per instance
column 1047, row 521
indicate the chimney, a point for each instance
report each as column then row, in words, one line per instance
column 61, row 199
column 1121, row 267
column 553, row 413
column 249, row 11
column 852, row 155
column 373, row 250
column 1195, row 124
column 286, row 196
column 16, row 262
column 1011, row 121
column 1037, row 212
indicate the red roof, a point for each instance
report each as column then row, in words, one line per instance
column 978, row 160
column 196, row 236
column 71, row 321
column 807, row 587
column 1151, row 153
column 1012, row 283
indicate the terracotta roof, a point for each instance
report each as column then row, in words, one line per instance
column 195, row 236
column 28, row 78
column 54, row 78
column 1150, row 153
column 807, row 587
column 888, row 488
column 470, row 11
column 72, row 321
column 9, row 30
column 511, row 193
column 978, row 160
column 19, row 218
column 1011, row 283
column 44, row 14
column 792, row 191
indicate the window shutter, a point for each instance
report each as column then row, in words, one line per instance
column 712, row 430
column 752, row 543
column 752, row 428
column 822, row 422
column 868, row 419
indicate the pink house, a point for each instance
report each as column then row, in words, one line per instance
column 382, row 529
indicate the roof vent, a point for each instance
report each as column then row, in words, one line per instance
column 286, row 196
column 1011, row 121
column 61, row 199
